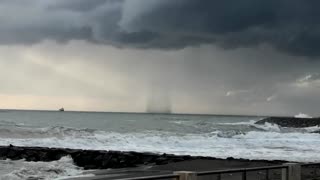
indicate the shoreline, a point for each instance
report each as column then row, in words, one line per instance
column 102, row 159
column 120, row 164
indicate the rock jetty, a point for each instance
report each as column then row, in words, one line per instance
column 291, row 122
column 96, row 159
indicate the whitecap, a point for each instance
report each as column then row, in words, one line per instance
column 272, row 145
column 21, row 169
column 301, row 115
column 267, row 127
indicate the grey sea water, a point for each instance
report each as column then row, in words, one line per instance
column 204, row 135
column 118, row 122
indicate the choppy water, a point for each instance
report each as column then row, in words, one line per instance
column 217, row 136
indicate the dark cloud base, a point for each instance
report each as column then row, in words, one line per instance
column 290, row 26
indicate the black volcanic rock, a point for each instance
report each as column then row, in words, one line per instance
column 291, row 121
column 88, row 159
column 94, row 159
column 317, row 131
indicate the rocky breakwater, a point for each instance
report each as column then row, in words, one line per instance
column 291, row 122
column 95, row 159
column 89, row 159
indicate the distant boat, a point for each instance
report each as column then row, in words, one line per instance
column 61, row 109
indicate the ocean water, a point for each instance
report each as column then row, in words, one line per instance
column 200, row 135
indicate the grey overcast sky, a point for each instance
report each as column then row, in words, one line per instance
column 209, row 56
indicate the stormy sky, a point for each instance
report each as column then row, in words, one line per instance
column 223, row 57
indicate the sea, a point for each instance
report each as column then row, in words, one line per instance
column 199, row 135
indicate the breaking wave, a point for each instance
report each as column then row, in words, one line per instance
column 57, row 131
column 268, row 144
column 239, row 123
column 220, row 137
column 61, row 169
column 200, row 138
column 301, row 115
column 9, row 123
column 267, row 127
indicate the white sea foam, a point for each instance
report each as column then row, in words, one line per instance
column 228, row 134
column 273, row 145
column 312, row 129
column 267, row 127
column 180, row 122
column 61, row 169
column 26, row 132
column 7, row 123
column 251, row 122
column 301, row 115
column 276, row 128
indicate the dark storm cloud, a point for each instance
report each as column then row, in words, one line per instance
column 78, row 5
column 290, row 26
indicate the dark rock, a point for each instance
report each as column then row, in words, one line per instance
column 90, row 159
column 42, row 156
column 82, row 159
column 106, row 161
column 291, row 121
column 89, row 166
column 161, row 160
column 32, row 155
column 54, row 155
column 186, row 158
column 317, row 131
column 14, row 155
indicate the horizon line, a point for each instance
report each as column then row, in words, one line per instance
column 129, row 112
